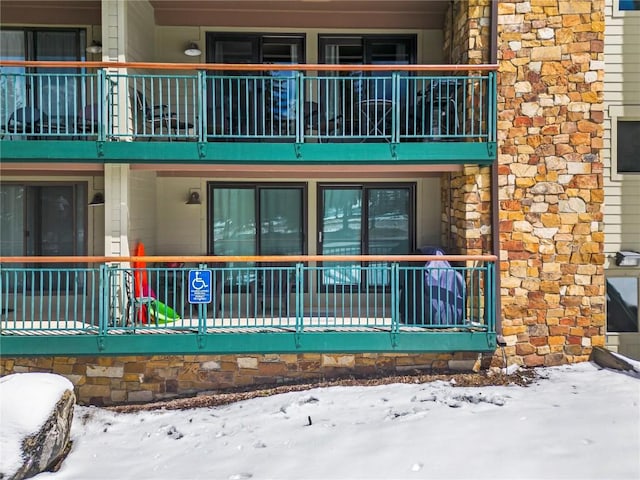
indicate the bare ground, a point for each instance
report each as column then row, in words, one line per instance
column 522, row 377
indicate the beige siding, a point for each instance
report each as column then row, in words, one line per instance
column 140, row 31
column 622, row 88
column 181, row 228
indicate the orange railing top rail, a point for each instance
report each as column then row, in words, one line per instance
column 248, row 67
column 249, row 258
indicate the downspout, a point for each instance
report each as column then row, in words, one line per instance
column 495, row 217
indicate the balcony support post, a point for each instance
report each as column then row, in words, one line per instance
column 201, row 92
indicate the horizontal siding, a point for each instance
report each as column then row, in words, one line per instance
column 621, row 87
column 622, row 46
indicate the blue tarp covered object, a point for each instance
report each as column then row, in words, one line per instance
column 443, row 292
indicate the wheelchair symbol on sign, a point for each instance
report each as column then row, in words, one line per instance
column 198, row 283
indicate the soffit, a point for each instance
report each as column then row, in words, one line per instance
column 378, row 14
column 46, row 12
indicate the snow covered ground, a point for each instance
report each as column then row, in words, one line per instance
column 578, row 422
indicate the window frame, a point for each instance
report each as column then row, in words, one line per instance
column 365, row 44
column 619, row 113
column 412, row 187
column 364, row 219
column 617, row 12
column 256, row 187
column 258, row 39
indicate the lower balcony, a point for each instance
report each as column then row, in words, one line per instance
column 220, row 305
column 304, row 113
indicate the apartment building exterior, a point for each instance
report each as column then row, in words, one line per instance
column 478, row 129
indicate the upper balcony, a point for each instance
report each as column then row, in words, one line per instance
column 226, row 113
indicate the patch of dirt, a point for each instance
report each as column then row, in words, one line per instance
column 522, row 377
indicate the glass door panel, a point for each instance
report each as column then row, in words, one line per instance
column 341, row 232
column 13, row 92
column 43, row 220
column 369, row 220
column 389, row 228
column 58, row 96
column 281, row 221
column 234, row 221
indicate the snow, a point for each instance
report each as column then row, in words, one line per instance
column 577, row 421
column 26, row 402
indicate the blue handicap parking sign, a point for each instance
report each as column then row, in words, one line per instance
column 199, row 286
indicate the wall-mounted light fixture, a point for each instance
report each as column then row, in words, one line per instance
column 98, row 199
column 194, row 197
column 628, row 259
column 192, row 50
column 95, row 47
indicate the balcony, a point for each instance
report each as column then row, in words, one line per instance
column 136, row 112
column 205, row 305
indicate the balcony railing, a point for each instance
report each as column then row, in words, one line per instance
column 136, row 309
column 226, row 103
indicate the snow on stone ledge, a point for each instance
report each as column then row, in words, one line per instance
column 27, row 400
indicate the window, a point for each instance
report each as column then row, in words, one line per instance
column 364, row 219
column 628, row 145
column 626, row 5
column 622, row 303
column 622, row 8
column 257, row 219
column 254, row 48
column 43, row 220
column 364, row 50
column 55, row 97
column 240, row 106
column 625, row 140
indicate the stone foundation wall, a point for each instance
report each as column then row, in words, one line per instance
column 117, row 380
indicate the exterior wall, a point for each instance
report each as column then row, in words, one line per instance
column 140, row 31
column 182, row 229
column 113, row 380
column 550, row 127
column 171, row 40
column 143, row 219
column 622, row 192
column 621, row 97
column 466, row 214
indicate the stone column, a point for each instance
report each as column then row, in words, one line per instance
column 550, row 114
column 466, row 213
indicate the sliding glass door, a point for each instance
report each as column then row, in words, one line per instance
column 241, row 106
column 361, row 220
column 257, row 219
column 43, row 220
column 56, row 97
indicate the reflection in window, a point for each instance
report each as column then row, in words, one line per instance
column 622, row 304
column 628, row 145
column 367, row 220
column 628, row 5
column 238, row 210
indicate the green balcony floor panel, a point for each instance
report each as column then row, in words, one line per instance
column 248, row 152
column 230, row 343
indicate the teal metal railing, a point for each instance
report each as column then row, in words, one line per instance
column 255, row 295
column 348, row 104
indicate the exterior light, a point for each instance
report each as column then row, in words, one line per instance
column 95, row 47
column 194, row 198
column 192, row 50
column 98, row 199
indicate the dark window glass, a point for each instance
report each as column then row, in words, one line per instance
column 622, row 304
column 629, row 5
column 363, row 219
column 628, row 139
column 236, row 211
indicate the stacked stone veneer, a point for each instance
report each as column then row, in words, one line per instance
column 550, row 127
column 114, row 380
column 466, row 213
